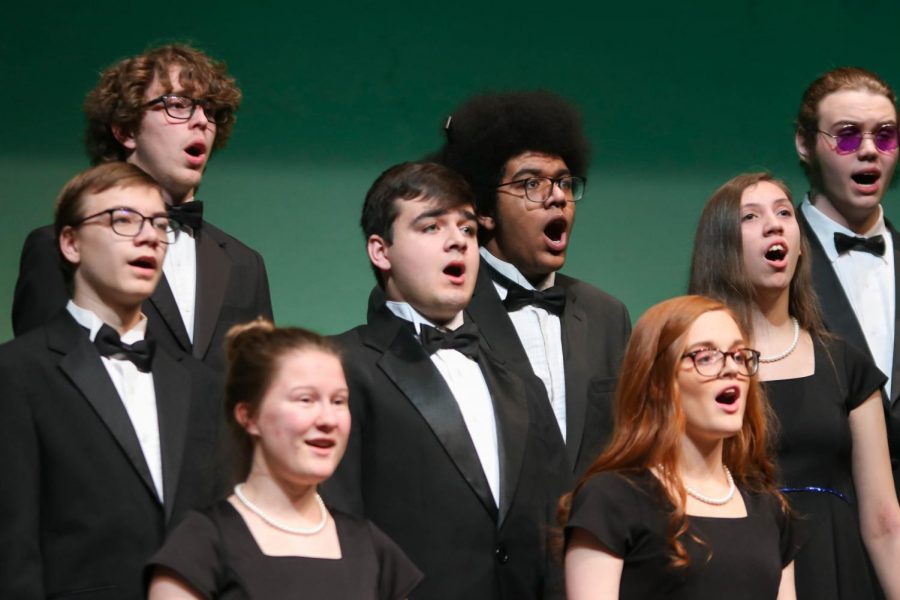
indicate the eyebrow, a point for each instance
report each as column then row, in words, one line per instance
column 781, row 200
column 851, row 122
column 534, row 172
column 162, row 213
column 713, row 346
column 440, row 212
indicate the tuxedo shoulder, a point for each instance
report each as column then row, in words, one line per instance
column 20, row 349
column 586, row 292
column 43, row 233
column 228, row 241
column 351, row 339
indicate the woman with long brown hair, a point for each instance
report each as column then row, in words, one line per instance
column 682, row 503
column 832, row 449
column 286, row 399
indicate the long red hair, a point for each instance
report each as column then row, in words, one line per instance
column 649, row 421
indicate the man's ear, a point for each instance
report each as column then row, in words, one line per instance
column 68, row 245
column 379, row 252
column 126, row 138
column 486, row 222
column 802, row 151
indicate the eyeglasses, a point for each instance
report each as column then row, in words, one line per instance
column 850, row 138
column 129, row 223
column 710, row 362
column 182, row 108
column 538, row 189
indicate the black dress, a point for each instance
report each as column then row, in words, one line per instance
column 814, row 460
column 217, row 555
column 629, row 516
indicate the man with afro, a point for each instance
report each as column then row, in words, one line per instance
column 526, row 157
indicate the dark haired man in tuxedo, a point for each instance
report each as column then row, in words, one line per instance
column 164, row 111
column 451, row 454
column 526, row 157
column 106, row 440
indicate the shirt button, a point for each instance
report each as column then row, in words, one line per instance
column 502, row 554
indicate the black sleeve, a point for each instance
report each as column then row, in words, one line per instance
column 608, row 507
column 861, row 376
column 397, row 575
column 41, row 289
column 21, row 567
column 192, row 552
column 343, row 490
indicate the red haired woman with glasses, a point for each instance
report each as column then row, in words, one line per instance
column 686, row 474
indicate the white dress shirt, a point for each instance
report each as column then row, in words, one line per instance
column 868, row 281
column 469, row 389
column 180, row 269
column 541, row 335
column 135, row 389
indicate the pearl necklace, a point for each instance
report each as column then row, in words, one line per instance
column 239, row 493
column 714, row 501
column 791, row 348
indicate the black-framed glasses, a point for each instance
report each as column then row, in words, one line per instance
column 850, row 137
column 710, row 362
column 129, row 223
column 182, row 108
column 538, row 189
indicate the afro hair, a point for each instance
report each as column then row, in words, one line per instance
column 488, row 130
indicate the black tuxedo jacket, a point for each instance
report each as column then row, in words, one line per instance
column 595, row 329
column 79, row 514
column 841, row 320
column 411, row 467
column 232, row 287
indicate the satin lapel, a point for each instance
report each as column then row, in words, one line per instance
column 497, row 329
column 163, row 303
column 511, row 413
column 836, row 308
column 83, row 366
column 172, row 384
column 213, row 267
column 409, row 368
column 576, row 353
column 895, row 375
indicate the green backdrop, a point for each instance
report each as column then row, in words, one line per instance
column 677, row 98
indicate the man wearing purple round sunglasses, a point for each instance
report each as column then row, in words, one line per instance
column 846, row 139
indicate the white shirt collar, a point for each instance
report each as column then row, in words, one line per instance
column 509, row 271
column 90, row 321
column 406, row 312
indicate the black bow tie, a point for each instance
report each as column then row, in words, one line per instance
column 553, row 299
column 109, row 344
column 872, row 245
column 463, row 339
column 189, row 214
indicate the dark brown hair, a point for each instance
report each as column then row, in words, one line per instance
column 254, row 351
column 650, row 422
column 717, row 265
column 409, row 181
column 119, row 97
